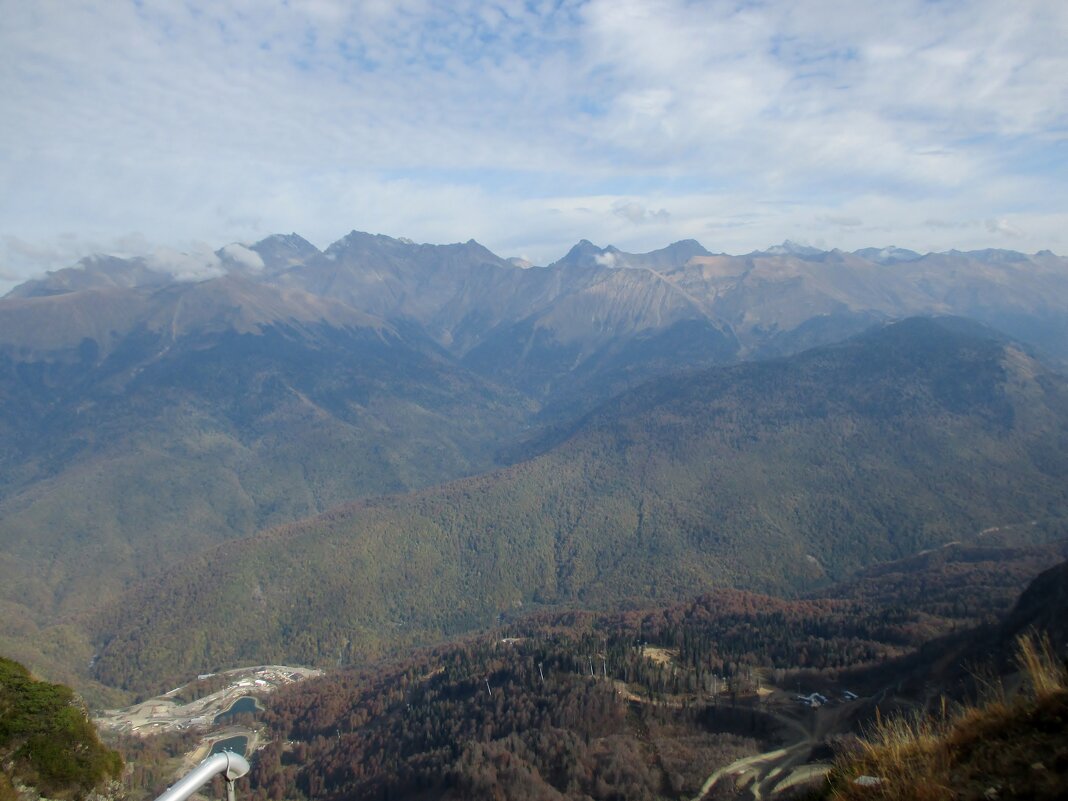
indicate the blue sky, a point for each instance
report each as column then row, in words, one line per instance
column 134, row 126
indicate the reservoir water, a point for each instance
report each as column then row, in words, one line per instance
column 245, row 704
column 235, row 744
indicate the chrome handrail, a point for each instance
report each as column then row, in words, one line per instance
column 232, row 766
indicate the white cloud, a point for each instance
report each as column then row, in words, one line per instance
column 243, row 257
column 502, row 120
column 199, row 264
column 1004, row 227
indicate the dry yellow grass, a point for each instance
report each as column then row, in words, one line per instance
column 998, row 749
column 1044, row 671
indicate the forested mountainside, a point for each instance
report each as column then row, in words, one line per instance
column 643, row 704
column 121, row 458
column 150, row 412
column 177, row 440
column 646, row 703
column 965, row 582
column 777, row 475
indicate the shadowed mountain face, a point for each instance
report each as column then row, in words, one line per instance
column 600, row 320
column 202, row 412
column 776, row 476
column 573, row 333
column 1044, row 607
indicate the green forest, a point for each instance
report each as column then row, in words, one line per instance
column 779, row 476
column 46, row 739
column 638, row 704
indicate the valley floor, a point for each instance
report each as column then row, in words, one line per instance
column 172, row 712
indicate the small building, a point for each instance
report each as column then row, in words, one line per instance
column 813, row 701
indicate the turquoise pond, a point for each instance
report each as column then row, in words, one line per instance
column 235, row 744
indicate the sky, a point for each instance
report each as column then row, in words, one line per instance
column 177, row 127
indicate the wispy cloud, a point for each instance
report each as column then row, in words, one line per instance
column 1004, row 227
column 638, row 214
column 224, row 122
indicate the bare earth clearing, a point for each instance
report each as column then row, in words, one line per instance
column 169, row 713
column 166, row 712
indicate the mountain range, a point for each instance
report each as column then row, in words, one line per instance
column 620, row 426
column 776, row 476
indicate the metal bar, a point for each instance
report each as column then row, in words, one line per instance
column 231, row 765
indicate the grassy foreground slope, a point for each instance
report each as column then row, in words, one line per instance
column 1004, row 747
column 773, row 476
column 991, row 722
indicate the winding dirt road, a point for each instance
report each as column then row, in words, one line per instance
column 764, row 775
